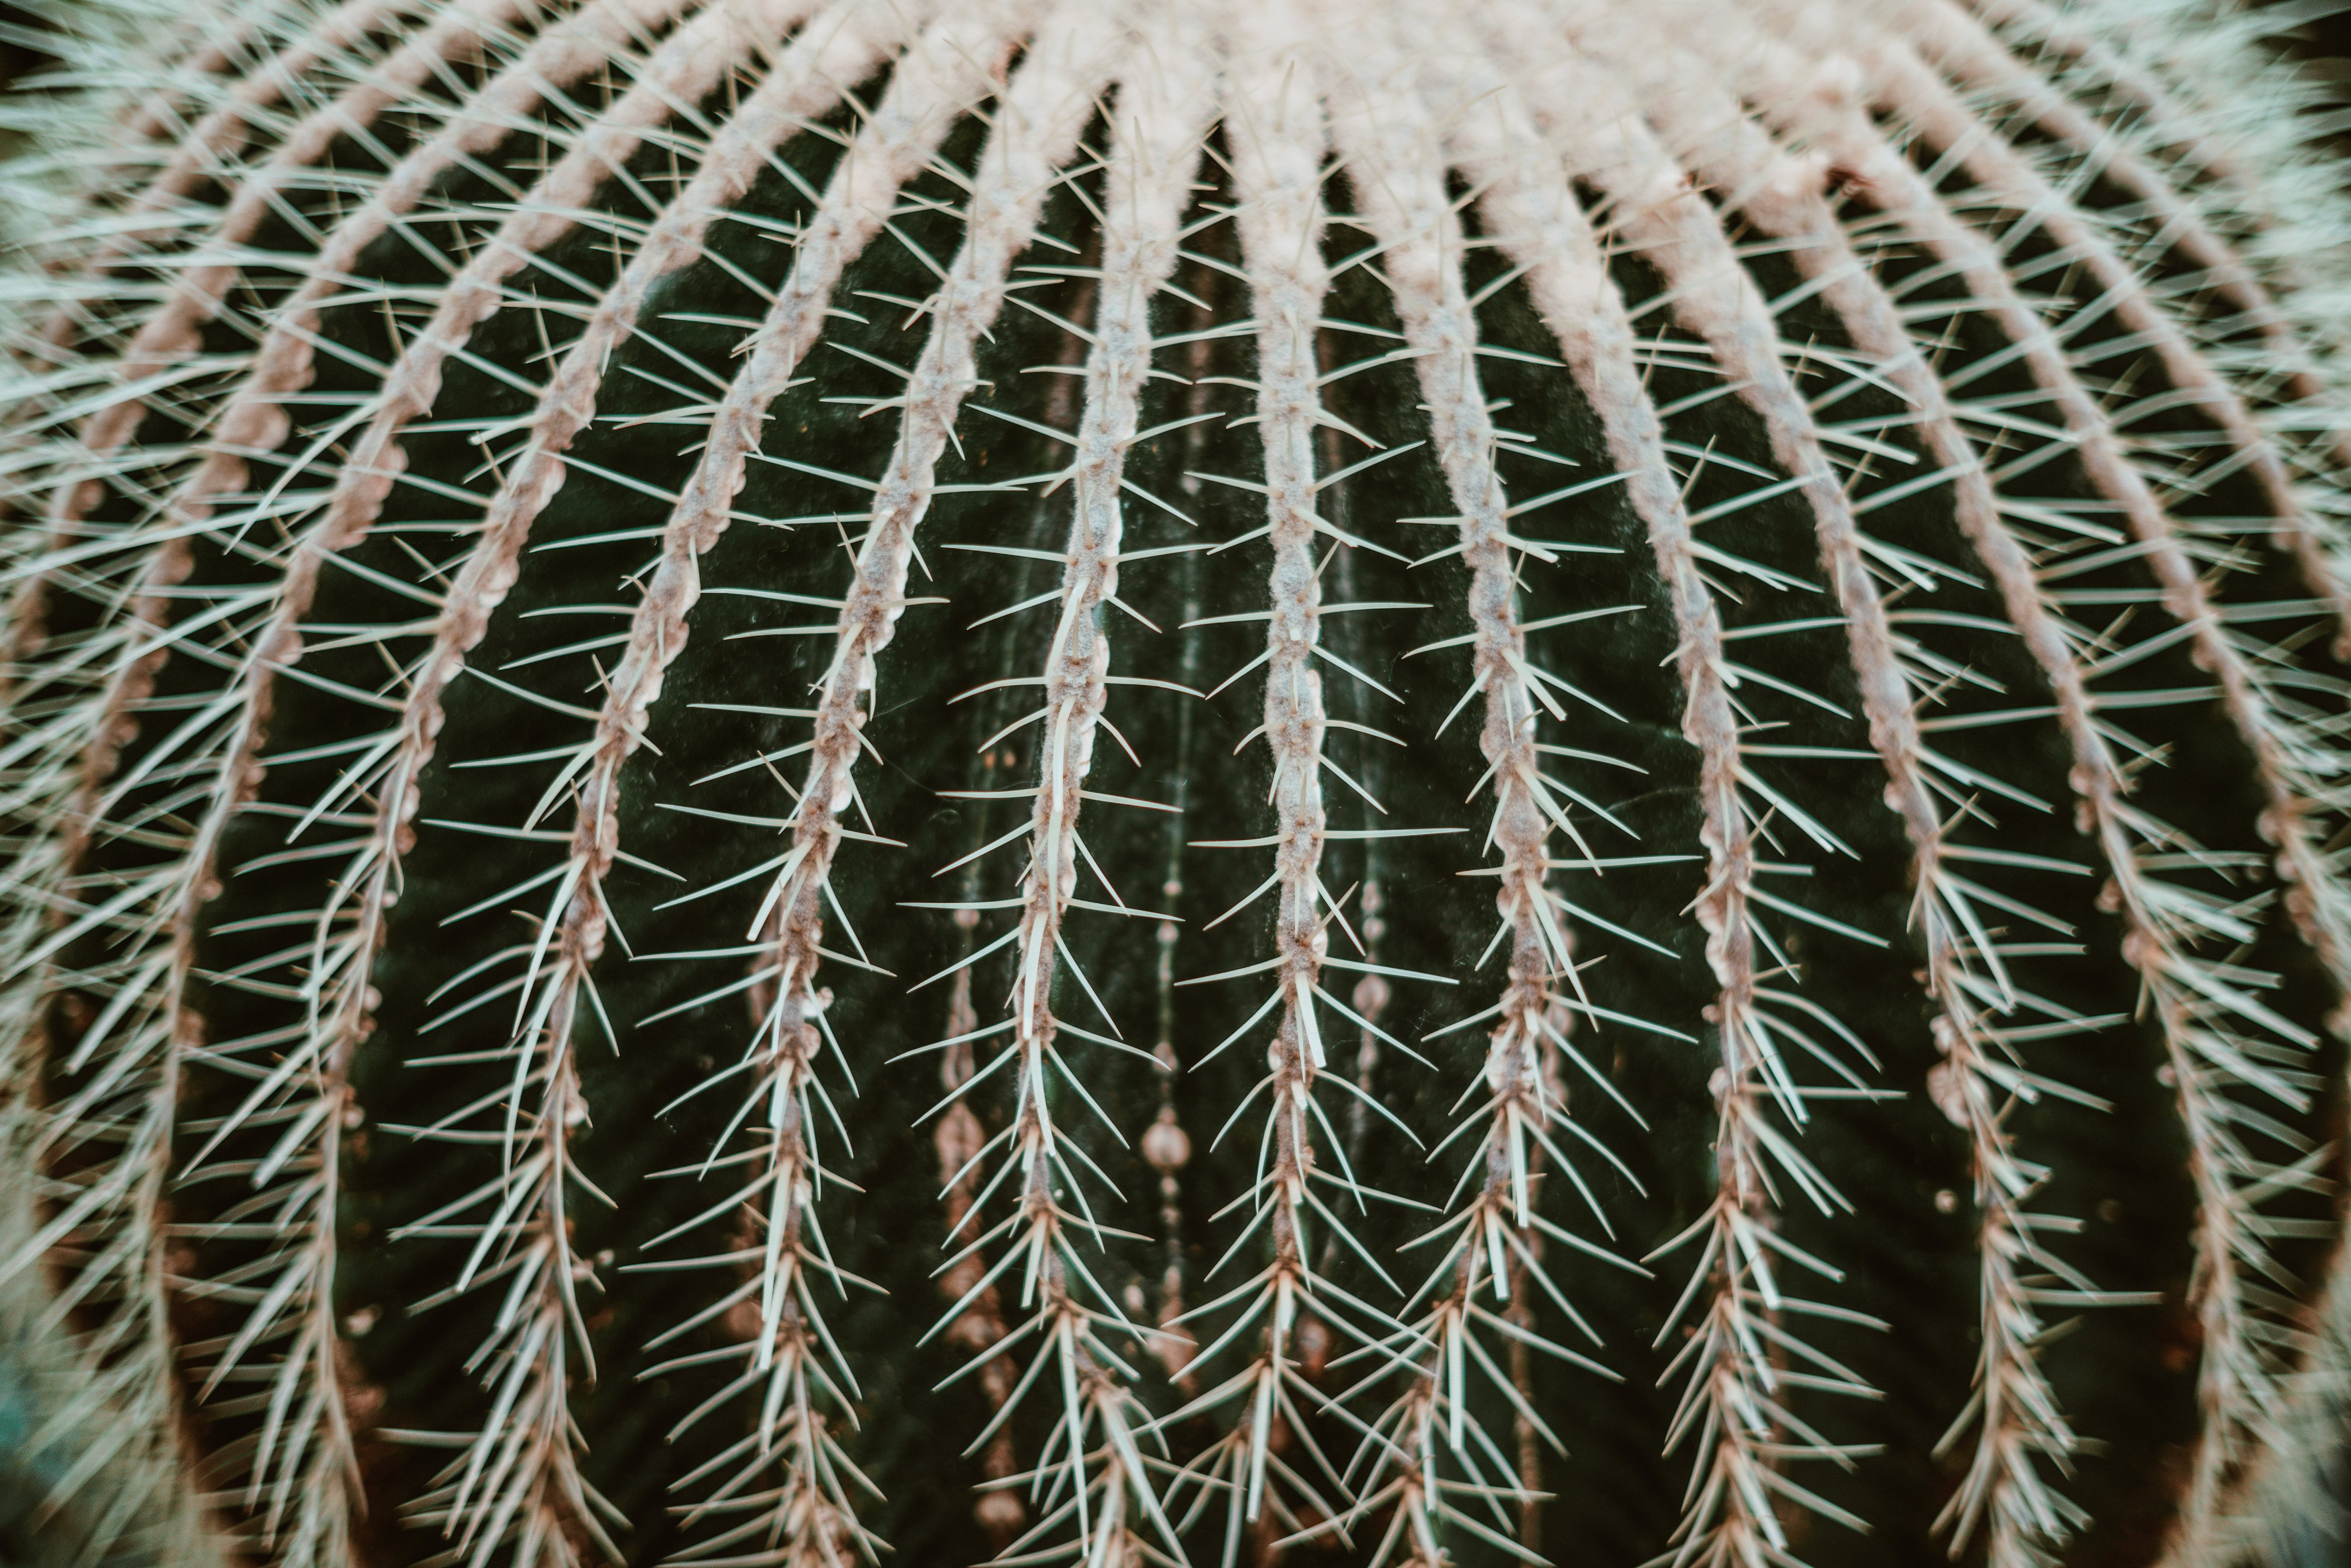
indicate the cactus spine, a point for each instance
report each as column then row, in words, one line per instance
column 1720, row 631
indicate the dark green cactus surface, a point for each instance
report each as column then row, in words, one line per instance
column 1327, row 782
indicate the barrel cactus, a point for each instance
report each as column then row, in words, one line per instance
column 1175, row 781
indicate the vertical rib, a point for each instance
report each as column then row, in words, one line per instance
column 1037, row 127
column 491, row 1492
column 1275, row 123
column 1273, row 117
column 1157, row 123
column 941, row 75
column 1733, row 1399
column 1393, row 150
column 518, row 1480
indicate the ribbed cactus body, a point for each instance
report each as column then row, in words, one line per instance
column 1300, row 781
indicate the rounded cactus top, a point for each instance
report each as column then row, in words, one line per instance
column 1393, row 781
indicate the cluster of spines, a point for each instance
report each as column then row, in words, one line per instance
column 2217, row 1030
column 2017, row 1422
column 136, row 1052
column 1093, row 1473
column 519, row 1471
column 2251, row 146
column 133, row 1096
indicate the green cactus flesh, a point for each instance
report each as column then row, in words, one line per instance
column 1346, row 782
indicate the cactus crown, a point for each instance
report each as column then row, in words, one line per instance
column 1367, row 780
